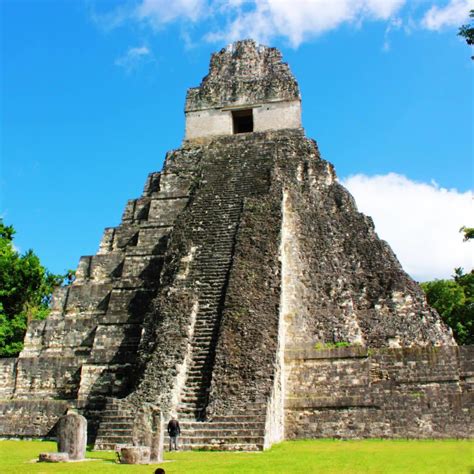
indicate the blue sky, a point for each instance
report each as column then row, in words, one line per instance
column 92, row 97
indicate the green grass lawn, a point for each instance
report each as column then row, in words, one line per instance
column 308, row 456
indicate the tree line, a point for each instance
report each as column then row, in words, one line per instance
column 26, row 287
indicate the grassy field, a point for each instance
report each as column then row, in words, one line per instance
column 302, row 457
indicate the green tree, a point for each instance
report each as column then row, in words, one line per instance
column 454, row 301
column 468, row 233
column 467, row 32
column 25, row 292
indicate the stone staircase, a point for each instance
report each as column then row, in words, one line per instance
column 238, row 432
column 213, row 262
column 216, row 215
column 116, row 426
column 211, row 226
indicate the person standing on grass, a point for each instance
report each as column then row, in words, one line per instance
column 173, row 431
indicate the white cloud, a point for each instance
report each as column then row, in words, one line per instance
column 453, row 14
column 421, row 222
column 161, row 12
column 394, row 24
column 262, row 20
column 133, row 57
column 298, row 20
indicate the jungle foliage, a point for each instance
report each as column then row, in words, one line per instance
column 26, row 288
column 454, row 301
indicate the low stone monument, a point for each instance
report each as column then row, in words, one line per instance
column 135, row 455
column 53, row 457
column 72, row 436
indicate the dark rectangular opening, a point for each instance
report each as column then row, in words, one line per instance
column 242, row 121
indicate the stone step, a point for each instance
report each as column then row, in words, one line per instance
column 115, row 439
column 200, row 368
column 219, row 440
column 207, row 331
column 117, row 417
column 184, row 406
column 213, row 425
column 197, row 372
column 113, row 425
column 105, row 446
column 114, row 432
column 239, row 418
column 192, row 387
column 222, row 433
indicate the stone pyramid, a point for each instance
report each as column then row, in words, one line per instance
column 244, row 293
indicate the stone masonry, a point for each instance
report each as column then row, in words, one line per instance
column 221, row 296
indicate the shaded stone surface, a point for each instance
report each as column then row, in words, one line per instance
column 72, row 436
column 53, row 457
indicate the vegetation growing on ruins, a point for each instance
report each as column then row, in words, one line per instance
column 331, row 345
column 25, row 291
column 304, row 457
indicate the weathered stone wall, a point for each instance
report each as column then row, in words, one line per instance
column 7, row 376
column 351, row 285
column 277, row 116
column 244, row 73
column 30, row 418
column 355, row 392
column 267, row 116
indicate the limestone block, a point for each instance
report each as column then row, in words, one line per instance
column 208, row 123
column 72, row 435
column 106, row 266
column 59, row 298
column 88, row 296
column 116, row 343
column 33, row 342
column 7, row 372
column 142, row 207
column 173, row 185
column 277, row 115
column 128, row 305
column 71, row 332
column 106, row 244
column 30, row 418
column 152, row 184
column 143, row 267
column 101, row 380
column 54, row 457
column 164, row 211
column 47, row 377
column 82, row 271
column 129, row 210
column 135, row 455
column 125, row 236
column 152, row 240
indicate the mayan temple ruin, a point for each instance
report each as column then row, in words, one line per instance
column 244, row 293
